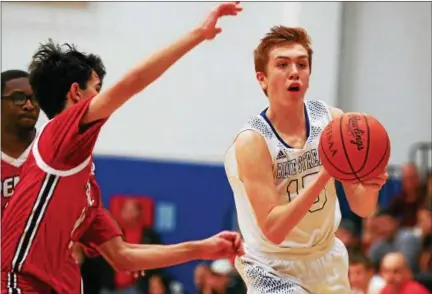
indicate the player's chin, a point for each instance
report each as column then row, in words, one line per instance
column 27, row 123
column 28, row 119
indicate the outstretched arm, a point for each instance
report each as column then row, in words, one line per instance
column 134, row 257
column 151, row 68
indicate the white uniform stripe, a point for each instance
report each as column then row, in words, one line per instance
column 34, row 220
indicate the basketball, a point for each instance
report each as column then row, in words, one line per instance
column 354, row 147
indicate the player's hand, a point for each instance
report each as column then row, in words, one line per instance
column 208, row 27
column 223, row 245
column 375, row 184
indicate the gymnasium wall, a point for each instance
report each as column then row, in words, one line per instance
column 168, row 142
column 386, row 68
column 194, row 111
column 372, row 57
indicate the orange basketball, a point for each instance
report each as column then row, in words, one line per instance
column 354, row 147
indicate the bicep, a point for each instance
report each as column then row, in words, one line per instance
column 255, row 169
column 113, row 250
column 64, row 143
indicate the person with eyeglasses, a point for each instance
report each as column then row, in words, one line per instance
column 58, row 203
column 19, row 114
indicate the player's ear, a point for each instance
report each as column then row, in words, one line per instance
column 260, row 76
column 75, row 93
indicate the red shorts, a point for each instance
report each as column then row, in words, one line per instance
column 12, row 283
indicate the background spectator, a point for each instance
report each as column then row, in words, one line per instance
column 349, row 234
column 363, row 277
column 394, row 239
column 405, row 205
column 398, row 276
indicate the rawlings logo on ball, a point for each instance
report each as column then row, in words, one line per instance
column 362, row 144
column 355, row 131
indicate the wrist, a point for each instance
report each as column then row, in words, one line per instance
column 198, row 34
column 196, row 248
column 323, row 176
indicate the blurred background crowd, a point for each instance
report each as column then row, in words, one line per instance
column 392, row 247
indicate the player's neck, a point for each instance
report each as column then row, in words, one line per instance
column 288, row 118
column 15, row 143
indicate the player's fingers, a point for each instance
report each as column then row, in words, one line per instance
column 230, row 5
column 237, row 7
column 239, row 249
column 237, row 241
column 233, row 237
column 382, row 175
column 380, row 182
column 228, row 12
column 228, row 235
column 229, row 9
column 375, row 187
column 226, row 247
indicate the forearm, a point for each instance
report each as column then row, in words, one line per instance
column 135, row 257
column 361, row 200
column 154, row 66
column 145, row 245
column 142, row 75
column 283, row 218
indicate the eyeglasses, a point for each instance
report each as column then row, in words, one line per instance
column 20, row 98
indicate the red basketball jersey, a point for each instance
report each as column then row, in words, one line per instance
column 10, row 171
column 56, row 204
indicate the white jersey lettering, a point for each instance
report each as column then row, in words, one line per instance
column 293, row 169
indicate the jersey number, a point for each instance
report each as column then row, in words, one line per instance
column 293, row 188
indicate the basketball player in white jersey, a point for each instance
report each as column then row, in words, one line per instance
column 286, row 202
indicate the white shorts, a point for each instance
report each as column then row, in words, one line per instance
column 327, row 274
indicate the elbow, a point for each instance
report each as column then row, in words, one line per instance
column 274, row 230
column 122, row 261
column 273, row 236
column 276, row 240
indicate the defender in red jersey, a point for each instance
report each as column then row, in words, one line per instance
column 19, row 114
column 56, row 204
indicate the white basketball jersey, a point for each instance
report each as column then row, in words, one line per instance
column 293, row 169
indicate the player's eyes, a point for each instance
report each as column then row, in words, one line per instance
column 282, row 64
column 302, row 65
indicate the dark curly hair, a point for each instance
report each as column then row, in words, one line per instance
column 55, row 68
